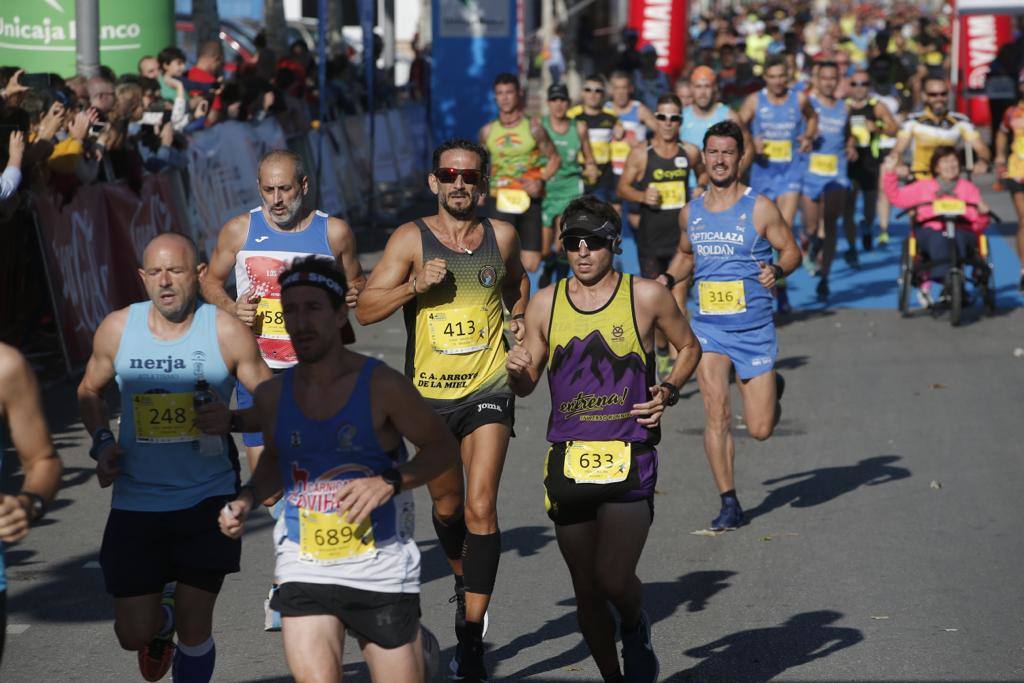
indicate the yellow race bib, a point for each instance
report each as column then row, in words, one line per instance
column 455, row 331
column 620, row 150
column 597, row 462
column 327, row 538
column 825, row 164
column 673, row 193
column 270, row 319
column 513, row 201
column 602, row 151
column 949, row 207
column 778, row 151
column 722, row 298
column 164, row 418
column 859, row 130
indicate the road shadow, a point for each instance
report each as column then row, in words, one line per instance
column 525, row 541
column 801, row 315
column 661, row 600
column 792, row 362
column 815, row 487
column 761, row 654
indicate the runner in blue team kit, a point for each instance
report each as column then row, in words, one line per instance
column 22, row 412
column 726, row 240
column 783, row 125
column 168, row 354
column 825, row 174
column 334, row 426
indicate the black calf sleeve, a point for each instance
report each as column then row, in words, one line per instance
column 451, row 535
column 480, row 562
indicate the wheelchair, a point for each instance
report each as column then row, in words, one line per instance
column 915, row 265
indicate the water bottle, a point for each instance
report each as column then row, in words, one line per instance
column 209, row 444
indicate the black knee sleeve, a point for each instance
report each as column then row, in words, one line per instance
column 480, row 562
column 451, row 534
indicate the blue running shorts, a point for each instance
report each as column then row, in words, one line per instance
column 776, row 179
column 752, row 352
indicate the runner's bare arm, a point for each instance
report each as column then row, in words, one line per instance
column 768, row 221
column 515, row 290
column 20, row 404
column 229, row 242
column 1002, row 146
column 526, row 360
column 343, row 244
column 693, row 156
column 889, row 124
column 590, row 169
column 482, row 137
column 747, row 110
column 99, row 371
column 811, row 116
column 748, row 143
column 547, row 148
column 390, row 285
column 631, row 173
column 406, row 415
column 646, row 118
column 681, row 265
column 981, row 150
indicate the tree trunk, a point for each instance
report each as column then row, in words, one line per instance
column 276, row 28
column 206, row 19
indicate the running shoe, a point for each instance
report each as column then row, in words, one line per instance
column 883, row 238
column 810, row 263
column 822, row 290
column 851, row 258
column 729, row 517
column 431, row 654
column 468, row 665
column 271, row 617
column 865, row 241
column 155, row 659
column 1022, row 284
column 640, row 664
column 782, row 303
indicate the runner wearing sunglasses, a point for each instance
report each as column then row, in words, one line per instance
column 516, row 143
column 595, row 333
column 726, row 240
column 603, row 129
column 656, row 177
column 452, row 273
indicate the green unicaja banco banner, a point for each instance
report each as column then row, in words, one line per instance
column 39, row 35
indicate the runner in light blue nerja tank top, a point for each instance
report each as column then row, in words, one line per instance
column 162, row 467
column 779, row 170
column 694, row 128
column 726, row 252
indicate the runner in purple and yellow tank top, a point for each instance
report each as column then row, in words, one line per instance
column 595, row 332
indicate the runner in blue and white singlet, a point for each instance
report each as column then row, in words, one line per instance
column 705, row 112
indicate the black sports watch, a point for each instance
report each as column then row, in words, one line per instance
column 779, row 272
column 393, row 477
column 671, row 280
column 100, row 440
column 36, row 505
column 673, row 393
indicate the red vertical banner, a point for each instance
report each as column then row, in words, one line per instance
column 981, row 36
column 662, row 23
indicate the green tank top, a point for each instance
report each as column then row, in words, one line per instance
column 567, row 178
column 513, row 152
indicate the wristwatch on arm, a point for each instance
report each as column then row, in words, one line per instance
column 673, row 394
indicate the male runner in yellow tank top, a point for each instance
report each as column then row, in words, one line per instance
column 516, row 143
column 452, row 272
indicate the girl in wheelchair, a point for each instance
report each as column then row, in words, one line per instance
column 928, row 228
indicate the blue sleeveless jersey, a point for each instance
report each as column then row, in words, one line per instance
column 826, row 164
column 779, row 125
column 694, row 128
column 727, row 248
column 316, row 456
column 162, row 468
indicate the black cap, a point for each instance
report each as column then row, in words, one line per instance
column 583, row 224
column 558, row 91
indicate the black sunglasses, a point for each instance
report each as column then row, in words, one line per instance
column 674, row 118
column 593, row 242
column 944, row 93
column 858, row 82
column 589, row 89
column 471, row 176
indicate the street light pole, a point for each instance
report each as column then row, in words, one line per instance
column 87, row 37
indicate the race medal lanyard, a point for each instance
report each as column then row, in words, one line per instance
column 597, row 462
column 164, row 418
column 270, row 319
column 722, row 298
column 327, row 538
column 456, row 331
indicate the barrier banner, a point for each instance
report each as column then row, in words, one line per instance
column 330, row 195
column 222, row 169
column 135, row 219
column 78, row 251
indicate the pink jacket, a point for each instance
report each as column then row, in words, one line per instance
column 922, row 191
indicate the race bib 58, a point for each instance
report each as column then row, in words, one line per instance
column 270, row 319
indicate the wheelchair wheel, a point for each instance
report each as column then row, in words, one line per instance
column 904, row 280
column 987, row 285
column 955, row 287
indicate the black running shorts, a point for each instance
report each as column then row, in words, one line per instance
column 142, row 551
column 527, row 225
column 469, row 417
column 389, row 620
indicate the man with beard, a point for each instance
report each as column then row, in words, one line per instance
column 258, row 246
column 726, row 239
column 169, row 480
column 334, row 426
column 452, row 272
column 595, row 332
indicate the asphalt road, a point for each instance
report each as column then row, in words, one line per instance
column 883, row 540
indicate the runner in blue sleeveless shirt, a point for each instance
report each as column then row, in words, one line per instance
column 21, row 413
column 726, row 240
column 333, row 427
column 170, row 355
column 825, row 174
